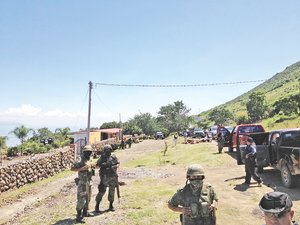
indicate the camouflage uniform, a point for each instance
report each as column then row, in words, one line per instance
column 185, row 198
column 83, row 184
column 108, row 177
column 200, row 198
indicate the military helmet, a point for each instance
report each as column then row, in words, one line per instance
column 194, row 170
column 87, row 151
column 107, row 148
column 87, row 148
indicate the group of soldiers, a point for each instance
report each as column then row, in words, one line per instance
column 107, row 164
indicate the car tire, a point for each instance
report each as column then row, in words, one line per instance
column 287, row 178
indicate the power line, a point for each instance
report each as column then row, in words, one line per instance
column 178, row 85
column 109, row 109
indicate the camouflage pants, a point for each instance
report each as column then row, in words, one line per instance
column 200, row 221
column 82, row 196
column 102, row 190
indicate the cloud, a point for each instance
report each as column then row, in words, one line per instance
column 24, row 109
column 32, row 116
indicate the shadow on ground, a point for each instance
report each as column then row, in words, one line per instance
column 271, row 178
column 68, row 221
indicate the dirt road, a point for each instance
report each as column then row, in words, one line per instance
column 56, row 200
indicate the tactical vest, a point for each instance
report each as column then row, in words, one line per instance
column 199, row 205
column 109, row 170
column 83, row 176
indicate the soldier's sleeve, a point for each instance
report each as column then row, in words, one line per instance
column 98, row 163
column 176, row 199
column 115, row 159
column 213, row 194
column 76, row 165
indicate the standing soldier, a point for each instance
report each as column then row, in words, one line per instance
column 108, row 165
column 196, row 201
column 85, row 173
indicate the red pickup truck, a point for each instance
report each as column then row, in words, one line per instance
column 239, row 135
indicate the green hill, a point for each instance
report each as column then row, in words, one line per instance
column 282, row 85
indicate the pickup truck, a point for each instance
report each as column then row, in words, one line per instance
column 227, row 138
column 279, row 149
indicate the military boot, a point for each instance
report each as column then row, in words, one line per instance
column 85, row 213
column 79, row 217
column 111, row 207
column 97, row 210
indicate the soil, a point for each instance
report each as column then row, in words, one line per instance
column 226, row 180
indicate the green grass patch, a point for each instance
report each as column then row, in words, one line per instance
column 146, row 202
column 182, row 154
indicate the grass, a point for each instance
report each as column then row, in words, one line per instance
column 146, row 202
column 180, row 155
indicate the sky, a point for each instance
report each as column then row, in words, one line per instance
column 50, row 50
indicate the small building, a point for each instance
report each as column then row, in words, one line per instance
column 95, row 135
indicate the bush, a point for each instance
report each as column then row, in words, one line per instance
column 32, row 147
column 12, row 151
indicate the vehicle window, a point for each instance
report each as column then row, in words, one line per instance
column 291, row 139
column 250, row 129
column 274, row 137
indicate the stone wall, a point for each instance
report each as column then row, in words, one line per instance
column 35, row 168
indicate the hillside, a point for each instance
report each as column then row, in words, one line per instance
column 281, row 85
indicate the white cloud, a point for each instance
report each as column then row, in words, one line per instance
column 34, row 117
column 24, row 109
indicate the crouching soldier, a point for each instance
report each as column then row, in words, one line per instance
column 85, row 173
column 196, row 201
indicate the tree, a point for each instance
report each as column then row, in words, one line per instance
column 61, row 137
column 256, row 106
column 22, row 133
column 220, row 115
column 131, row 127
column 146, row 123
column 287, row 105
column 174, row 117
column 112, row 124
column 42, row 133
column 62, row 132
column 2, row 145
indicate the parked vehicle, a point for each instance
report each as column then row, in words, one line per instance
column 213, row 130
column 198, row 133
column 225, row 138
column 159, row 135
column 279, row 149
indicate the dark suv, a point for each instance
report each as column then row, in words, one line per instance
column 159, row 135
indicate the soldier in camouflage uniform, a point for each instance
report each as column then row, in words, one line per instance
column 85, row 173
column 196, row 201
column 108, row 165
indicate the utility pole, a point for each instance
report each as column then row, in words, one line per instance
column 89, row 113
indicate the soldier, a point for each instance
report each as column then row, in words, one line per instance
column 108, row 164
column 277, row 209
column 85, row 173
column 196, row 201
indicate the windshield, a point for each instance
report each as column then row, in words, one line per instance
column 250, row 129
